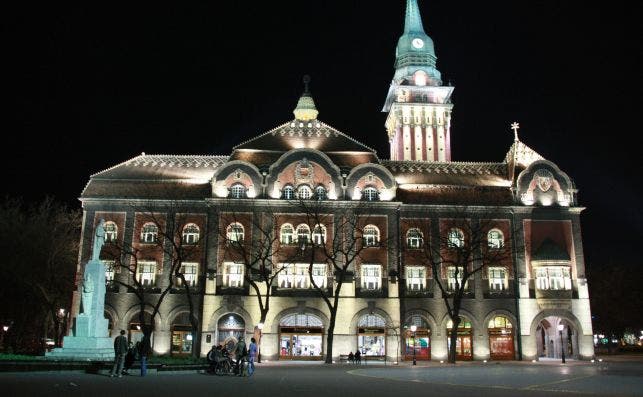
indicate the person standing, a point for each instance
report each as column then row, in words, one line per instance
column 144, row 350
column 120, row 350
column 129, row 359
column 240, row 352
column 252, row 353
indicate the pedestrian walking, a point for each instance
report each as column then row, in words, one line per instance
column 252, row 353
column 120, row 350
column 144, row 350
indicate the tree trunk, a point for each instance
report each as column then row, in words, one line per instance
column 329, row 338
column 453, row 338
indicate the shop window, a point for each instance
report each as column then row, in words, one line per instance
column 371, row 276
column 190, row 234
column 149, row 233
column 300, row 337
column 111, row 232
column 414, row 238
column 371, row 335
column 415, row 278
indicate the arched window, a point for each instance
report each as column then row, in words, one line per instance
column 303, row 234
column 238, row 191
column 455, row 238
column 319, row 235
column 320, row 193
column 304, row 192
column 149, row 233
column 287, row 234
column 500, row 322
column 234, row 232
column 414, row 238
column 495, row 239
column 370, row 194
column 190, row 234
column 111, row 232
column 371, row 235
column 288, row 192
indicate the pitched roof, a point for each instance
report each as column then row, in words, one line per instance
column 449, row 173
column 550, row 251
column 164, row 166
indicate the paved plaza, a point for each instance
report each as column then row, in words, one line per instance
column 316, row 379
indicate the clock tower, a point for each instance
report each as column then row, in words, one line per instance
column 418, row 105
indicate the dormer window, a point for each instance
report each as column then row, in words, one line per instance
column 320, row 193
column 238, row 191
column 370, row 194
column 288, row 192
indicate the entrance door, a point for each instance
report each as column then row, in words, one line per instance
column 421, row 344
column 501, row 339
column 463, row 343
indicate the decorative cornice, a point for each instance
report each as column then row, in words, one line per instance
column 451, row 167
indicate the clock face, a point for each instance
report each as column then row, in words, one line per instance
column 417, row 43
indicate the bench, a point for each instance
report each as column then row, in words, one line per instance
column 343, row 358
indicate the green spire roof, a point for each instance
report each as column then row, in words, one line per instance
column 306, row 109
column 413, row 20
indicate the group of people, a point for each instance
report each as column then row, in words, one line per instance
column 125, row 354
column 218, row 354
column 355, row 358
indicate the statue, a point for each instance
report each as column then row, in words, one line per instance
column 99, row 240
column 88, row 291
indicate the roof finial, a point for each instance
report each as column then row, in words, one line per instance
column 515, row 126
column 306, row 82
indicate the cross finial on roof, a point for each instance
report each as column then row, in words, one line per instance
column 306, row 81
column 515, row 126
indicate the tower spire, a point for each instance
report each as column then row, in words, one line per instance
column 413, row 20
column 306, row 109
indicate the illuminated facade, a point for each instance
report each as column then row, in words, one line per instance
column 512, row 310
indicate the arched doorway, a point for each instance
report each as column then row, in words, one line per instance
column 182, row 338
column 135, row 328
column 464, row 340
column 554, row 335
column 371, row 335
column 501, row 338
column 230, row 328
column 301, row 337
column 422, row 341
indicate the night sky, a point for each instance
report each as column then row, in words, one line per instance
column 95, row 84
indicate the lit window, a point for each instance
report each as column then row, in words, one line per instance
column 288, row 193
column 296, row 276
column 371, row 277
column 371, row 235
column 304, row 192
column 454, row 278
column 497, row 279
column 109, row 271
column 455, row 238
column 233, row 274
column 190, row 272
column 414, row 238
column 301, row 276
column 111, row 232
column 149, row 233
column 234, row 233
column 286, row 276
column 370, row 194
column 238, row 191
column 500, row 322
column 495, row 239
column 190, row 234
column 553, row 278
column 303, row 234
column 319, row 274
column 319, row 235
column 415, row 278
column 146, row 273
column 320, row 193
column 287, row 234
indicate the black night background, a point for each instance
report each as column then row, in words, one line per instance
column 93, row 84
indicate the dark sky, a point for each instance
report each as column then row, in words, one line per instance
column 94, row 84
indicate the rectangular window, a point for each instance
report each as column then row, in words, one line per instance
column 553, row 278
column 285, row 279
column 319, row 274
column 190, row 272
column 497, row 279
column 451, row 278
column 146, row 273
column 109, row 271
column 233, row 274
column 415, row 278
column 301, row 276
column 371, row 277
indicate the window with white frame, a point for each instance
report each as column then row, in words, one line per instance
column 304, row 192
column 319, row 274
column 190, row 273
column 303, row 234
column 415, row 278
column 237, row 191
column 370, row 194
column 371, row 277
column 233, row 274
column 320, row 193
column 146, row 273
column 109, row 270
column 455, row 238
column 234, row 232
column 296, row 276
column 301, row 276
column 111, row 232
column 371, row 236
column 495, row 239
column 287, row 234
column 149, row 233
column 553, row 278
column 288, row 192
column 319, row 234
column 452, row 277
column 190, row 234
column 497, row 279
column 286, row 276
column 414, row 238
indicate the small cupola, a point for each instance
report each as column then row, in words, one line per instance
column 306, row 109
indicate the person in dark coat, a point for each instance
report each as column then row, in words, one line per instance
column 120, row 350
column 129, row 359
column 240, row 353
column 358, row 357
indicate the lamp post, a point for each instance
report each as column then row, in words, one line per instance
column 413, row 329
column 260, row 327
column 561, row 327
column 5, row 328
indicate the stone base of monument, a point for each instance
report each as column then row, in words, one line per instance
column 84, row 348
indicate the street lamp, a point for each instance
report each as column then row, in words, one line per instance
column 260, row 327
column 413, row 329
column 561, row 327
